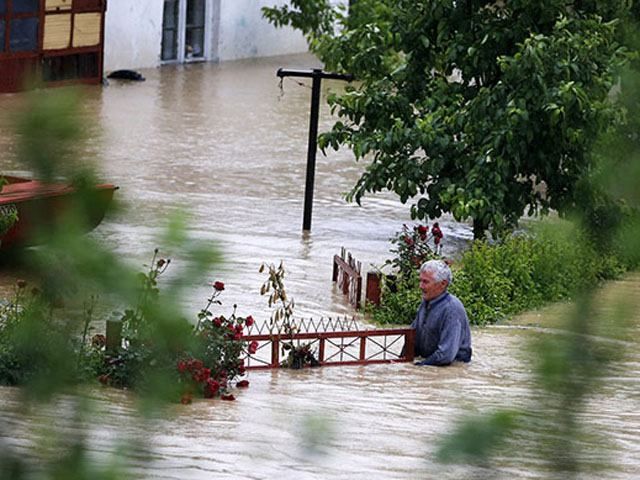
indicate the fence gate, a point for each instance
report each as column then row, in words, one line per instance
column 333, row 342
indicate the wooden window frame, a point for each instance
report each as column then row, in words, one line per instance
column 79, row 7
column 6, row 52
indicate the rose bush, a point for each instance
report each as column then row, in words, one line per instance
column 411, row 250
column 206, row 364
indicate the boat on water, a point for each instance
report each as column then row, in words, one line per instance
column 31, row 209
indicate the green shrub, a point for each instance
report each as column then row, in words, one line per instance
column 494, row 281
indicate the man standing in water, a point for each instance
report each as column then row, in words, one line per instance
column 442, row 327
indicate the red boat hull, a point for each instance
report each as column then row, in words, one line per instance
column 42, row 207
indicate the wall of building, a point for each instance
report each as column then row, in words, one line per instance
column 243, row 33
column 133, row 34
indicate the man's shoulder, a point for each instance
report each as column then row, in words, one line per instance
column 454, row 302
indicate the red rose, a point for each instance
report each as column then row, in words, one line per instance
column 249, row 321
column 217, row 322
column 237, row 336
column 408, row 241
column 239, row 328
column 219, row 286
column 98, row 340
column 243, row 384
column 253, row 347
column 211, row 388
column 422, row 230
column 182, row 367
column 228, row 397
column 195, row 364
column 242, row 370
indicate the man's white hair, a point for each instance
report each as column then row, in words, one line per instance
column 440, row 269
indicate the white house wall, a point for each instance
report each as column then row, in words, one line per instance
column 245, row 34
column 133, row 32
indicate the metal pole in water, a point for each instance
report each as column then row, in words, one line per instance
column 316, row 75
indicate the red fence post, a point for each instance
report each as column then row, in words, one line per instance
column 321, row 350
column 114, row 335
column 409, row 345
column 373, row 288
column 275, row 352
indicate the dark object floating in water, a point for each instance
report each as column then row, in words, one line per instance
column 126, row 75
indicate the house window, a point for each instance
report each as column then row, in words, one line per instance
column 184, row 30
column 2, row 29
column 194, row 42
column 26, row 6
column 19, row 22
column 170, row 30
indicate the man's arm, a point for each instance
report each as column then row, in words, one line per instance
column 448, row 344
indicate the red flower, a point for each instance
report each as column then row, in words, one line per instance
column 408, row 241
column 237, row 336
column 194, row 364
column 182, row 367
column 98, row 340
column 219, row 286
column 253, row 347
column 422, row 230
column 217, row 322
column 211, row 388
column 228, row 396
column 239, row 328
column 249, row 321
column 243, row 384
column 242, row 370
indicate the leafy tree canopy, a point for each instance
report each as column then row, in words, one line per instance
column 488, row 110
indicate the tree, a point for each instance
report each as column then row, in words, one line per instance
column 488, row 110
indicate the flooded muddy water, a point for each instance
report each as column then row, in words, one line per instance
column 227, row 145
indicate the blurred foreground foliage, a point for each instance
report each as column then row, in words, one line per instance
column 573, row 364
column 47, row 349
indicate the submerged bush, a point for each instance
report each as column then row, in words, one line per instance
column 551, row 263
column 177, row 361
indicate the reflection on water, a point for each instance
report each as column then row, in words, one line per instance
column 220, row 142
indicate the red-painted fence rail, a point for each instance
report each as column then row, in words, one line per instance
column 355, row 347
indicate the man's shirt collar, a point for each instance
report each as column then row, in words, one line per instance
column 432, row 303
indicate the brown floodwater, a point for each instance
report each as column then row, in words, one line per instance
column 227, row 145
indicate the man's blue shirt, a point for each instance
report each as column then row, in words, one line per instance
column 442, row 331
